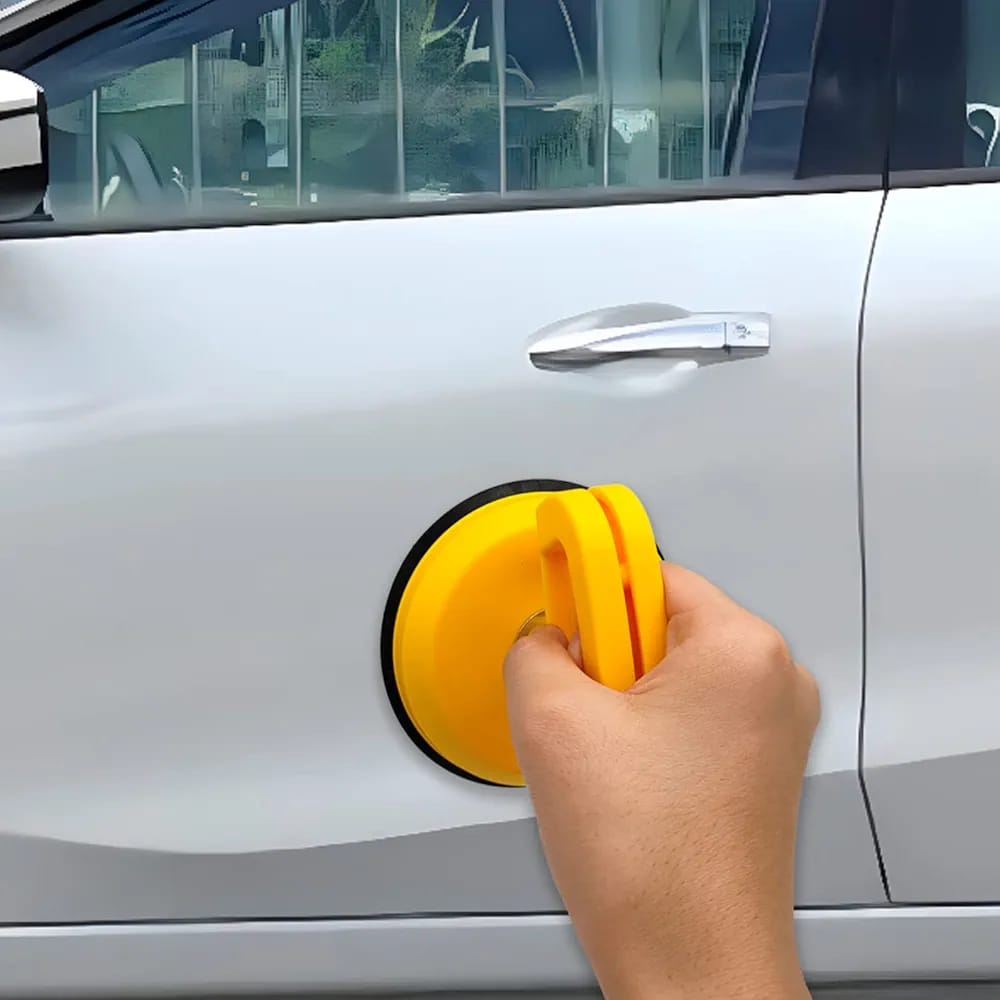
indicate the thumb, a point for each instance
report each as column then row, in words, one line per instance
column 542, row 677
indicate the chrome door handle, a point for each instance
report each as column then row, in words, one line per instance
column 649, row 331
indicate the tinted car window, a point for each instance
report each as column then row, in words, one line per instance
column 190, row 108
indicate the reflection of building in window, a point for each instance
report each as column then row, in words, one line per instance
column 274, row 27
column 243, row 101
column 729, row 33
column 631, row 92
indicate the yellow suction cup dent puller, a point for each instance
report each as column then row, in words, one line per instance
column 586, row 558
column 601, row 578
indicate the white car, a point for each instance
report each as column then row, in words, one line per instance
column 250, row 369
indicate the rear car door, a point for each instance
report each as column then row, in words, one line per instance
column 931, row 478
column 280, row 324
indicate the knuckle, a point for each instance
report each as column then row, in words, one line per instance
column 769, row 645
column 759, row 664
column 761, row 646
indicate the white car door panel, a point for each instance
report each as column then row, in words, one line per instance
column 931, row 480
column 219, row 445
column 932, row 490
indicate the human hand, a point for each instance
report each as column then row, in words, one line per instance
column 668, row 812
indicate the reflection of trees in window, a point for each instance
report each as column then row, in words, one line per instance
column 342, row 49
column 451, row 115
column 450, row 92
column 348, row 96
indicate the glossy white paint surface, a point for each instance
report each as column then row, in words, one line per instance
column 456, row 956
column 216, row 448
column 932, row 494
column 17, row 93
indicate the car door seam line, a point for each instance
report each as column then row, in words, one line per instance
column 859, row 403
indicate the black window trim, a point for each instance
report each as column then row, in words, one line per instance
column 74, row 22
column 929, row 61
column 900, row 180
column 591, row 198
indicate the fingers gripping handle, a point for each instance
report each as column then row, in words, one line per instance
column 601, row 578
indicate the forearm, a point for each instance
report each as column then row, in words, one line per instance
column 771, row 975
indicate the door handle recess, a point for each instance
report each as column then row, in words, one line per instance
column 643, row 331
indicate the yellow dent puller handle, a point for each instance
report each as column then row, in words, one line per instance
column 601, row 578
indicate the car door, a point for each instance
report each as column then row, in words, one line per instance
column 279, row 326
column 931, row 481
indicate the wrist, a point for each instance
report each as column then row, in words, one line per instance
column 740, row 984
column 746, row 973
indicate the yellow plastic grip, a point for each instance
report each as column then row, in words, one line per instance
column 586, row 558
column 642, row 574
column 601, row 578
column 582, row 584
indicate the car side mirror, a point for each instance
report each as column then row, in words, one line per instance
column 24, row 160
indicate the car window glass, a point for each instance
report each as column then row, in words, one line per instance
column 194, row 108
column 947, row 89
column 982, row 83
